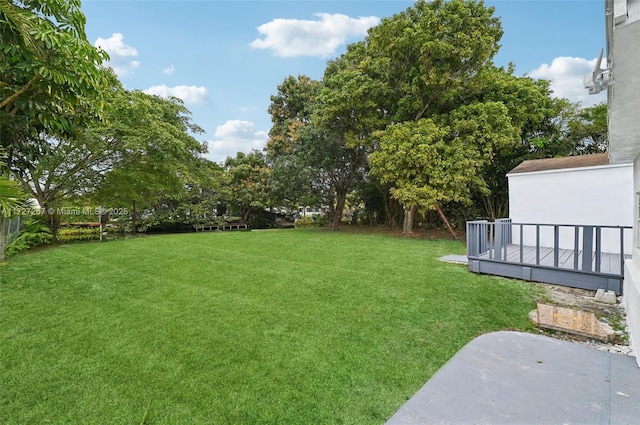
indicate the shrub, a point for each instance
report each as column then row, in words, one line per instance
column 321, row 220
column 33, row 233
column 304, row 222
column 70, row 234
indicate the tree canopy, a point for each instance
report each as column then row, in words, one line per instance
column 413, row 120
column 48, row 69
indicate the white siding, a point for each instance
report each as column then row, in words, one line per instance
column 591, row 195
column 631, row 285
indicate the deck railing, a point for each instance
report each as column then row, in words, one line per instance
column 581, row 246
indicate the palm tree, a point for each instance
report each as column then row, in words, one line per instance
column 11, row 197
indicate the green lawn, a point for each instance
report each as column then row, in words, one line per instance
column 262, row 327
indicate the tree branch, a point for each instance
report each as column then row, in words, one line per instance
column 24, row 88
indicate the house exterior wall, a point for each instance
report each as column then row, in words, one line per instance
column 599, row 195
column 623, row 56
column 631, row 285
column 623, row 98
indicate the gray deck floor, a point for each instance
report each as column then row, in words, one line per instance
column 609, row 263
column 519, row 378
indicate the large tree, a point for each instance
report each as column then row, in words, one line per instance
column 141, row 150
column 345, row 114
column 587, row 130
column 424, row 62
column 535, row 113
column 157, row 150
column 290, row 109
column 56, row 165
column 248, row 184
column 315, row 143
column 429, row 56
column 438, row 160
column 50, row 76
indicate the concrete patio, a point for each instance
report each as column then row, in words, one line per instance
column 520, row 378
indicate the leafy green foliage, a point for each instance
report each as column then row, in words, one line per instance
column 69, row 234
column 291, row 175
column 48, row 69
column 587, row 130
column 248, row 184
column 313, row 145
column 142, row 151
column 429, row 56
column 157, row 149
column 433, row 162
column 11, row 196
column 305, row 222
column 34, row 233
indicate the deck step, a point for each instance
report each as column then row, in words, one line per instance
column 568, row 320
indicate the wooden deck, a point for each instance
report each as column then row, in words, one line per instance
column 609, row 263
column 493, row 249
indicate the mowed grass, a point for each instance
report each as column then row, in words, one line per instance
column 262, row 327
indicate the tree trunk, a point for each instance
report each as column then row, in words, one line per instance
column 409, row 218
column 51, row 216
column 392, row 209
column 134, row 228
column 446, row 222
column 390, row 220
column 337, row 212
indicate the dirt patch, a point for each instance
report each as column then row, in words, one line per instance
column 582, row 299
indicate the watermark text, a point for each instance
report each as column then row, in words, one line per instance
column 78, row 211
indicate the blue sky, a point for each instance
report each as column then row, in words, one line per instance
column 226, row 58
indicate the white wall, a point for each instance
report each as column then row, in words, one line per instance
column 601, row 195
column 624, row 93
column 631, row 284
column 623, row 51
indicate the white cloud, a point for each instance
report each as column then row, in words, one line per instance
column 121, row 54
column 169, row 70
column 293, row 37
column 235, row 136
column 189, row 94
column 566, row 75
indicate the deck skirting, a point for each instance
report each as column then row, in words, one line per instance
column 565, row 277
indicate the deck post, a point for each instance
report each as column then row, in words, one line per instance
column 472, row 239
column 622, row 251
column 482, row 237
column 556, row 244
column 576, row 245
column 587, row 248
column 537, row 244
column 521, row 244
column 598, row 247
column 499, row 239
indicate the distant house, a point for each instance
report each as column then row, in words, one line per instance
column 307, row 211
